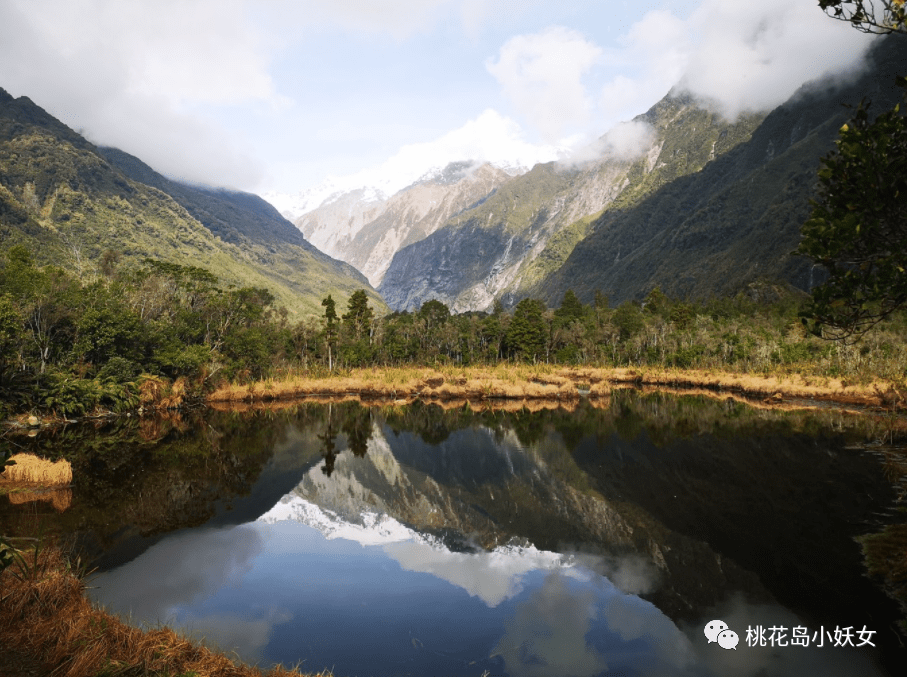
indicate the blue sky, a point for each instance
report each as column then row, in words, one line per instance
column 277, row 95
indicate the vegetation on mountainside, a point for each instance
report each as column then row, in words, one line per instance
column 69, row 205
column 531, row 224
column 735, row 221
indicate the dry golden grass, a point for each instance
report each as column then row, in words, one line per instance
column 60, row 499
column 46, row 615
column 33, row 470
column 545, row 382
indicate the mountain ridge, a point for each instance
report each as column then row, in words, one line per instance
column 738, row 219
column 70, row 201
column 527, row 229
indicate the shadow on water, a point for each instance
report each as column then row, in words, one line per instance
column 703, row 508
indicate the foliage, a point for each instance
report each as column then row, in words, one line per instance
column 858, row 225
column 869, row 16
column 526, row 337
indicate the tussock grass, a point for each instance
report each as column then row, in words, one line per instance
column 548, row 382
column 45, row 614
column 30, row 469
column 60, row 499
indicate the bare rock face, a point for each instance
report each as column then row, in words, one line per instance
column 366, row 229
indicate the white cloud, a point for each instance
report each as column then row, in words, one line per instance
column 542, row 75
column 737, row 54
column 135, row 75
column 651, row 58
column 754, row 56
column 490, row 137
column 624, row 141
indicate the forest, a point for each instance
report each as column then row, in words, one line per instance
column 116, row 336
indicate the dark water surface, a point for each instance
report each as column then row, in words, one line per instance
column 424, row 541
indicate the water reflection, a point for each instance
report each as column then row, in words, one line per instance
column 547, row 634
column 457, row 541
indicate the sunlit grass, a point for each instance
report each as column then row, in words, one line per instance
column 545, row 382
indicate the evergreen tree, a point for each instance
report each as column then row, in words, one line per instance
column 527, row 335
column 330, row 327
column 359, row 316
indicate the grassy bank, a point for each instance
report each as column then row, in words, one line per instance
column 48, row 626
column 551, row 383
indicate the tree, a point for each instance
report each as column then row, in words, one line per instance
column 571, row 309
column 858, row 226
column 358, row 318
column 330, row 327
column 869, row 16
column 527, row 335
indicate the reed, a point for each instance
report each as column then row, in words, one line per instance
column 30, row 469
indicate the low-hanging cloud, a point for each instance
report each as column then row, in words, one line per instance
column 542, row 75
column 754, row 56
column 733, row 54
column 136, row 75
column 625, row 141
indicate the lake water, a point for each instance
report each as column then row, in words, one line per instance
column 428, row 541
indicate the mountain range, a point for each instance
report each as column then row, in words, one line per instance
column 680, row 198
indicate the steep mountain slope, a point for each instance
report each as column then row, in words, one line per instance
column 528, row 228
column 739, row 218
column 365, row 228
column 418, row 211
column 332, row 225
column 69, row 202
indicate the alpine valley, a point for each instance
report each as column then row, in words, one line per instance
column 679, row 198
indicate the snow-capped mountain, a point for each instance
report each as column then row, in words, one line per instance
column 366, row 226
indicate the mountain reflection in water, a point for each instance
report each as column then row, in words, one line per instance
column 420, row 540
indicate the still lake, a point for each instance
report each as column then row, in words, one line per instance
column 422, row 540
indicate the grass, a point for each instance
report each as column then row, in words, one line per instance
column 30, row 469
column 44, row 614
column 549, row 383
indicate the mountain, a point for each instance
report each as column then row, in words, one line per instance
column 69, row 202
column 738, row 219
column 524, row 231
column 335, row 222
column 418, row 211
column 365, row 228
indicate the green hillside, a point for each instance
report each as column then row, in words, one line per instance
column 735, row 221
column 69, row 202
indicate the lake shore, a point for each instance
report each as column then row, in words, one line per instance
column 546, row 383
column 48, row 626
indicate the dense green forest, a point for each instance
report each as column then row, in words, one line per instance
column 115, row 338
